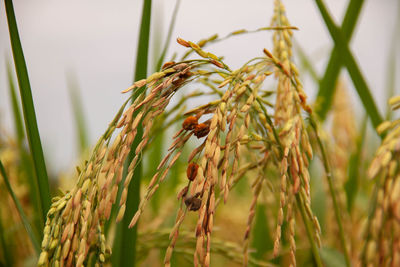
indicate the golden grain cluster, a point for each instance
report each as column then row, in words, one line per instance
column 246, row 132
column 239, row 120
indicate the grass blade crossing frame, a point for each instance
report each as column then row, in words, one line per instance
column 348, row 60
column 328, row 82
column 29, row 111
column 125, row 242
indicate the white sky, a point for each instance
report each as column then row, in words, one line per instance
column 96, row 40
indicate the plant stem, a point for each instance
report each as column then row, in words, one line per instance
column 29, row 112
column 329, row 177
column 314, row 247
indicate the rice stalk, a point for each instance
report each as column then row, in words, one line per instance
column 382, row 242
column 296, row 146
column 336, row 205
column 234, row 124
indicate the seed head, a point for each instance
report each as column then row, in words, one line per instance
column 182, row 42
column 193, row 203
column 167, row 65
column 201, row 130
column 217, row 63
column 191, row 171
column 189, row 123
column 183, row 192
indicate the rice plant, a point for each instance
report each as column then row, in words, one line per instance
column 249, row 175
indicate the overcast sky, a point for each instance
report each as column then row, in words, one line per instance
column 96, row 41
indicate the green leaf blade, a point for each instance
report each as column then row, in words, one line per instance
column 79, row 115
column 29, row 112
column 124, row 247
column 349, row 61
column 328, row 82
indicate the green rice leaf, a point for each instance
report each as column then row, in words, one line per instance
column 332, row 257
column 353, row 182
column 262, row 241
column 29, row 111
column 124, row 249
column 348, row 60
column 391, row 64
column 7, row 256
column 169, row 35
column 19, row 126
column 327, row 84
column 26, row 162
column 79, row 115
column 306, row 63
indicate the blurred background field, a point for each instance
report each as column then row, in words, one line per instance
column 81, row 55
column 93, row 44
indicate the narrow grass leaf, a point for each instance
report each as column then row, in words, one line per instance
column 348, row 59
column 307, row 224
column 318, row 197
column 155, row 154
column 155, row 157
column 353, row 182
column 373, row 203
column 328, row 82
column 29, row 111
column 262, row 241
column 332, row 257
column 79, row 115
column 26, row 162
column 18, row 124
column 21, row 212
column 330, row 178
column 306, row 62
column 5, row 246
column 391, row 64
column 169, row 35
column 124, row 250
